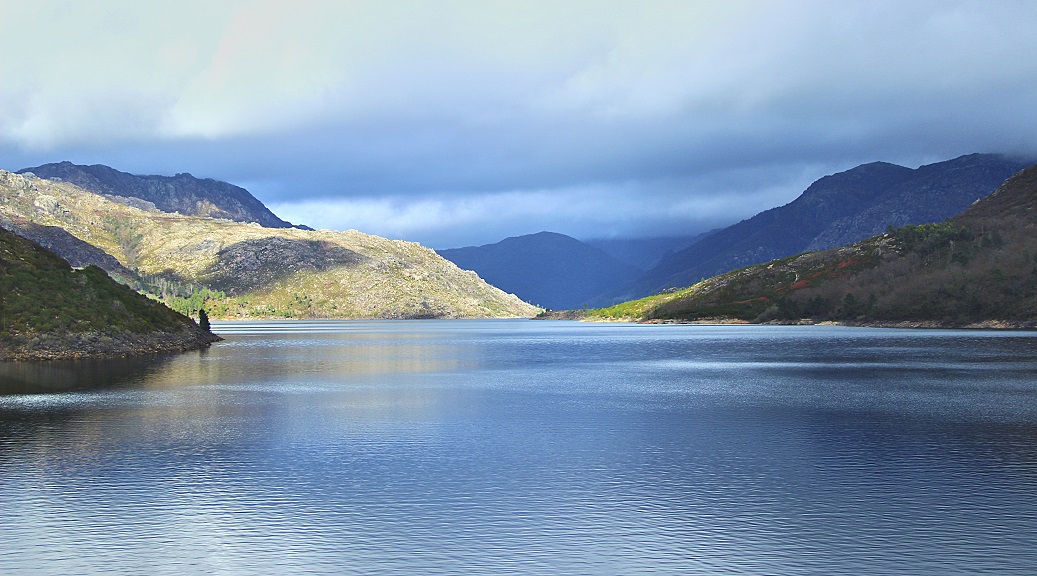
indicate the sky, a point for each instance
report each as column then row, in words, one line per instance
column 456, row 123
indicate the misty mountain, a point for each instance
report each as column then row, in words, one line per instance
column 837, row 209
column 547, row 269
column 644, row 253
column 182, row 193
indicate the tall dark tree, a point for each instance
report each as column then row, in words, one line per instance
column 203, row 319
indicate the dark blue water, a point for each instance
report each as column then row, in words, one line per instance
column 517, row 447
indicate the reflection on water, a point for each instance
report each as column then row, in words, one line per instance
column 487, row 447
column 71, row 375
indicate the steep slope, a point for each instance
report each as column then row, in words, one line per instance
column 242, row 270
column 834, row 210
column 182, row 193
column 49, row 311
column 78, row 253
column 979, row 268
column 549, row 269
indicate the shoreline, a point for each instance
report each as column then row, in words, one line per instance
column 579, row 315
column 102, row 345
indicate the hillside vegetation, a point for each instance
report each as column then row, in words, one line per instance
column 48, row 310
column 239, row 270
column 833, row 211
column 979, row 267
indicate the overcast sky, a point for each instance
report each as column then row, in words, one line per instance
column 462, row 122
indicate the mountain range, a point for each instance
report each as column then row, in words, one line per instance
column 835, row 210
column 245, row 270
column 560, row 272
column 978, row 268
column 192, row 241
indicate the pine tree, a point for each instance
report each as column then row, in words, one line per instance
column 203, row 319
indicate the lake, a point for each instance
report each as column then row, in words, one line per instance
column 522, row 447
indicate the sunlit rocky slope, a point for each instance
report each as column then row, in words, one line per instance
column 239, row 270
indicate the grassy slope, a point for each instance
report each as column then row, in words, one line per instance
column 49, row 310
column 384, row 279
column 980, row 266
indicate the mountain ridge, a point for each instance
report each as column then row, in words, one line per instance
column 182, row 193
column 976, row 269
column 852, row 204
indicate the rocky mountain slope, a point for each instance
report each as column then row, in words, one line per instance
column 837, row 209
column 239, row 270
column 549, row 269
column 50, row 311
column 182, row 193
column 979, row 268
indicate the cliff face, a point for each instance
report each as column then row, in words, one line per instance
column 182, row 193
column 50, row 311
column 239, row 270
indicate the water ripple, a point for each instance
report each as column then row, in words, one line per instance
column 525, row 448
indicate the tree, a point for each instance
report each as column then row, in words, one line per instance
column 203, row 319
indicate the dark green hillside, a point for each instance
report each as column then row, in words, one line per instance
column 49, row 310
column 977, row 268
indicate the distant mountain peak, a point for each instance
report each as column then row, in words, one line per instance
column 545, row 268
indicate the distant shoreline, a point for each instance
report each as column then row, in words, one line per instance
column 581, row 316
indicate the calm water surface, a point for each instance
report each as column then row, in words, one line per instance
column 518, row 447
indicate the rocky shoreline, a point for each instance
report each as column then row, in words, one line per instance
column 106, row 344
